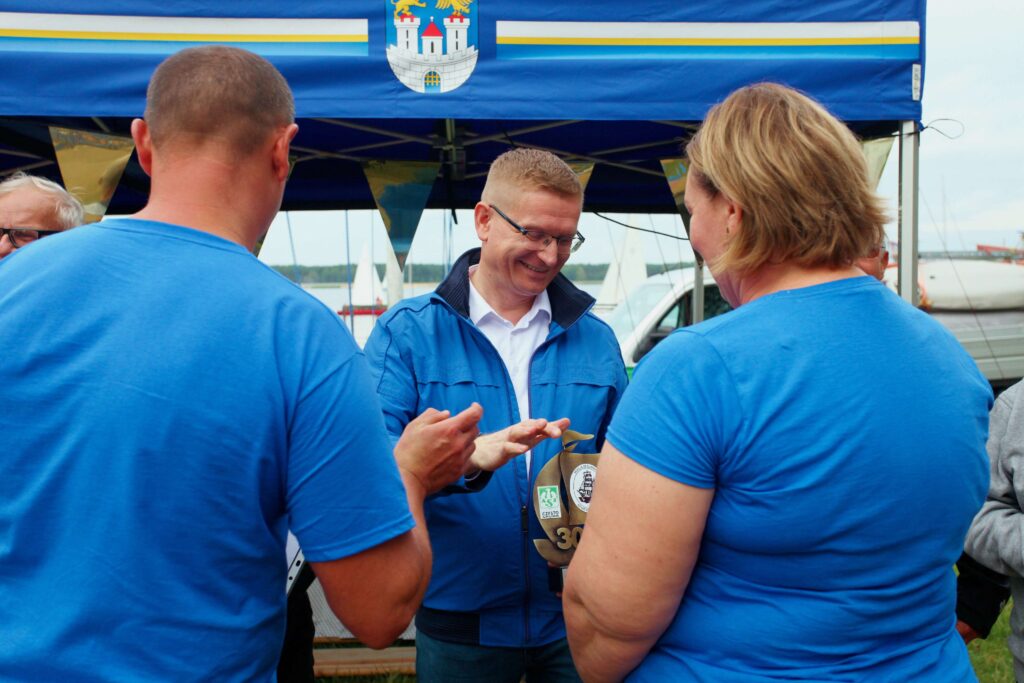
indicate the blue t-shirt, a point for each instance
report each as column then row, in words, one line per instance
column 844, row 434
column 170, row 407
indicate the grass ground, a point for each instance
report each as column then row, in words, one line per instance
column 992, row 661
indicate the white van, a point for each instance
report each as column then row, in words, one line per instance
column 980, row 302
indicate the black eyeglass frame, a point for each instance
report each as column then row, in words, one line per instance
column 12, row 231
column 535, row 236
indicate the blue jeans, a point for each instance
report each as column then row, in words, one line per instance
column 441, row 662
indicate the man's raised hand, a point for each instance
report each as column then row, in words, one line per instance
column 435, row 448
column 495, row 449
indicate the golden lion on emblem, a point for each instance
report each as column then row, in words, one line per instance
column 460, row 7
column 402, row 6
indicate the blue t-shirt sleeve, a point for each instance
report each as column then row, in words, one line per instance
column 344, row 490
column 616, row 390
column 680, row 414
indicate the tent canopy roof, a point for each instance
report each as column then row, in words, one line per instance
column 622, row 84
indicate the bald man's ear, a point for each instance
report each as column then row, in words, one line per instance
column 143, row 145
column 280, row 152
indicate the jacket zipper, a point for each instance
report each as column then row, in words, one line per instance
column 524, row 519
column 524, row 516
column 524, row 513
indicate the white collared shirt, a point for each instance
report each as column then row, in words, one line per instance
column 516, row 343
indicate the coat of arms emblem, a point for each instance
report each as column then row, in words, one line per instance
column 429, row 51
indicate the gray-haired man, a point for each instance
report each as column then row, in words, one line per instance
column 995, row 539
column 31, row 208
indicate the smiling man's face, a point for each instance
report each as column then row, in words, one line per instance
column 511, row 261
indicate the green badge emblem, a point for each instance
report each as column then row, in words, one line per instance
column 548, row 502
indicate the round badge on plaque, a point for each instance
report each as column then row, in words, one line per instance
column 581, row 485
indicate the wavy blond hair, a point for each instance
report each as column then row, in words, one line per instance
column 797, row 172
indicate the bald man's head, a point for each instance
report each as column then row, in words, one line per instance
column 217, row 94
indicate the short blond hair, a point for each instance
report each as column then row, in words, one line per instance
column 217, row 92
column 525, row 168
column 797, row 172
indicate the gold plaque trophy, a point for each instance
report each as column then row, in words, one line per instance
column 561, row 500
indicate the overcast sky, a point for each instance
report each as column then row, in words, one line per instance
column 971, row 187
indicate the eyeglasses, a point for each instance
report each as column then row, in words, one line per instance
column 19, row 237
column 540, row 239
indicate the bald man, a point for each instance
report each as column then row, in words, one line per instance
column 180, row 406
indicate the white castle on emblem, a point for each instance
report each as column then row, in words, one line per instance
column 428, row 68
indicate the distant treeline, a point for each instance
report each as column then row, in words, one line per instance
column 435, row 272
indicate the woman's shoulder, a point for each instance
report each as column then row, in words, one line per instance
column 724, row 331
column 688, row 352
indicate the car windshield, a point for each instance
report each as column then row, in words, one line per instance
column 628, row 314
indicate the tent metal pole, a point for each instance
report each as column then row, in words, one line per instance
column 322, row 154
column 375, row 145
column 348, row 271
column 379, row 131
column 26, row 167
column 698, row 292
column 16, row 153
column 910, row 142
column 291, row 242
column 506, row 134
column 677, row 141
column 579, row 157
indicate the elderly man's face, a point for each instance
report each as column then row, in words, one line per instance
column 25, row 208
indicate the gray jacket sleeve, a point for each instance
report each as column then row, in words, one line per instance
column 996, row 537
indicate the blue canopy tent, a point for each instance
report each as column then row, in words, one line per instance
column 458, row 81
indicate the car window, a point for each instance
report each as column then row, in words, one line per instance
column 681, row 314
column 714, row 303
column 672, row 319
column 628, row 314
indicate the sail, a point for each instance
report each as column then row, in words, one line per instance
column 393, row 279
column 367, row 289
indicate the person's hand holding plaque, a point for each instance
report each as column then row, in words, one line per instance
column 495, row 449
column 435, row 449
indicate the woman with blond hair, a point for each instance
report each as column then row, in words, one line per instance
column 752, row 521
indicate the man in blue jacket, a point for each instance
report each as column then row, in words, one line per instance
column 506, row 330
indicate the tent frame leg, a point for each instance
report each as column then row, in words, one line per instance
column 910, row 142
column 698, row 292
